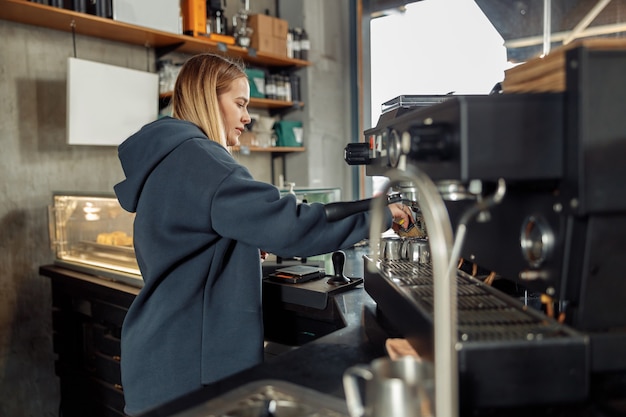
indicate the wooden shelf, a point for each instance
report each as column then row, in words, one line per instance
column 257, row 103
column 266, row 103
column 35, row 14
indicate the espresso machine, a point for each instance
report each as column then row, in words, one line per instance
column 531, row 188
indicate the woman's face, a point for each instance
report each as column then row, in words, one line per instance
column 234, row 107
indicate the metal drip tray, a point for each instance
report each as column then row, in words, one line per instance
column 270, row 398
column 508, row 354
column 484, row 314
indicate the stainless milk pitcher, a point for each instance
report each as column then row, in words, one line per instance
column 416, row 250
column 391, row 248
column 402, row 387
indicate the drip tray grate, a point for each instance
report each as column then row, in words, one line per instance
column 483, row 312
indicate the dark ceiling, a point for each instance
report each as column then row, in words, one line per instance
column 520, row 22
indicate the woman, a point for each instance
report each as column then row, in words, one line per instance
column 201, row 220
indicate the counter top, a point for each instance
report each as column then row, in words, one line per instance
column 319, row 364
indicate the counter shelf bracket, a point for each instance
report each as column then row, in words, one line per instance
column 160, row 51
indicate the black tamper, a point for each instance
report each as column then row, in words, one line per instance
column 339, row 260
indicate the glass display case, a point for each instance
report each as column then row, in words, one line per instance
column 94, row 234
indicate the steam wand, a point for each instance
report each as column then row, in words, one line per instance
column 439, row 229
column 479, row 208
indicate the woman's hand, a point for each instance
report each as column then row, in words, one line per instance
column 402, row 216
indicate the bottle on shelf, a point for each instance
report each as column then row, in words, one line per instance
column 290, row 43
column 270, row 86
column 280, row 87
column 217, row 17
column 288, row 95
column 305, row 45
column 296, row 43
column 294, row 81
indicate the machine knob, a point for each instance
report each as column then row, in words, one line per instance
column 357, row 153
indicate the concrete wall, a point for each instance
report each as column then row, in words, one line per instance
column 327, row 95
column 35, row 161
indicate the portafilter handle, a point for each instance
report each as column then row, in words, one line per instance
column 342, row 209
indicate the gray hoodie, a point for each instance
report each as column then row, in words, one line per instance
column 200, row 221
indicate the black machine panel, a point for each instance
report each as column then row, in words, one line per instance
column 518, row 137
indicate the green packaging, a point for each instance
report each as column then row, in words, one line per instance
column 256, row 78
column 289, row 133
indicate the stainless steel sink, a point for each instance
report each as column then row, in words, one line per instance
column 270, row 398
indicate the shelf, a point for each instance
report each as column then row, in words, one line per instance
column 35, row 14
column 257, row 103
column 266, row 103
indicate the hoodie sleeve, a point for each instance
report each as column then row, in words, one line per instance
column 254, row 212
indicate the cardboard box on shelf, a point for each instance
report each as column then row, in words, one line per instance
column 261, row 24
column 262, row 43
column 269, row 34
column 280, row 28
column 280, row 46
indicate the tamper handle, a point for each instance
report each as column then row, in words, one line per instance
column 339, row 260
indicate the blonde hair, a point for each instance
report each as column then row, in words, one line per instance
column 201, row 80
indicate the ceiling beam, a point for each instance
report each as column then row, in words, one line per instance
column 586, row 20
column 561, row 36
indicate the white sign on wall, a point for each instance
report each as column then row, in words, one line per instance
column 161, row 15
column 106, row 104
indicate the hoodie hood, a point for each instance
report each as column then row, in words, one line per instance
column 143, row 151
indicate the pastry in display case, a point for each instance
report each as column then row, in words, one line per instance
column 94, row 234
